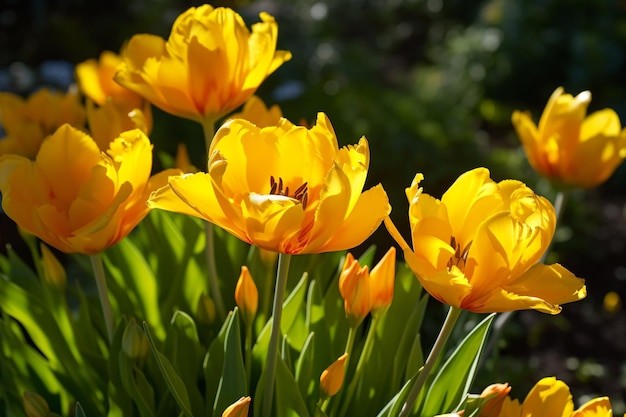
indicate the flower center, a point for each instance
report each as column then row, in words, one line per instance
column 460, row 256
column 301, row 194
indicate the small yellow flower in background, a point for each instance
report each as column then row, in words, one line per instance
column 183, row 162
column 95, row 80
column 284, row 188
column 111, row 108
column 53, row 272
column 256, row 112
column 569, row 147
column 332, row 377
column 205, row 309
column 354, row 286
column 494, row 395
column 551, row 397
column 382, row 278
column 210, row 64
column 246, row 295
column 238, row 409
column 612, row 302
column 75, row 197
column 135, row 343
column 27, row 122
column 478, row 247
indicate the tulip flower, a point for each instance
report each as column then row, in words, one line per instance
column 95, row 80
column 332, row 377
column 354, row 286
column 27, row 122
column 493, row 396
column 246, row 295
column 551, row 397
column 53, row 272
column 107, row 122
column 284, row 188
column 479, row 247
column 382, row 278
column 256, row 112
column 77, row 198
column 210, row 64
column 569, row 147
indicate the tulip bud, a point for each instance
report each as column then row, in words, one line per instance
column 612, row 302
column 382, row 281
column 332, row 377
column 493, row 396
column 246, row 295
column 183, row 162
column 205, row 310
column 354, row 286
column 238, row 409
column 134, row 341
column 53, row 272
column 35, row 405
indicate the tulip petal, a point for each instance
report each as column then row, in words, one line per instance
column 470, row 199
column 596, row 407
column 549, row 397
column 370, row 210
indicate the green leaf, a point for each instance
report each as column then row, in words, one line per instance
column 304, row 372
column 173, row 381
column 232, row 384
column 288, row 401
column 453, row 380
column 214, row 363
column 78, row 411
column 293, row 318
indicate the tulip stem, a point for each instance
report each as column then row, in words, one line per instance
column 365, row 353
column 272, row 351
column 103, row 292
column 208, row 127
column 213, row 278
column 248, row 353
column 442, row 338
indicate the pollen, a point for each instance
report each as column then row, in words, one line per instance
column 278, row 188
column 460, row 256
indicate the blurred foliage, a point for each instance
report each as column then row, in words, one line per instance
column 432, row 85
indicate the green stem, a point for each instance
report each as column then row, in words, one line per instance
column 338, row 398
column 208, row 127
column 360, row 366
column 248, row 353
column 103, row 293
column 213, row 278
column 442, row 338
column 277, row 312
column 320, row 407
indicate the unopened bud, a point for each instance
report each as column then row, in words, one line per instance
column 494, row 396
column 238, row 409
column 354, row 286
column 35, row 405
column 205, row 310
column 332, row 377
column 134, row 341
column 246, row 295
column 382, row 278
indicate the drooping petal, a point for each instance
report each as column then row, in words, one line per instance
column 550, row 397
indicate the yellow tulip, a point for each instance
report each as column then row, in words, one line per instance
column 569, row 147
column 354, row 286
column 551, row 397
column 210, row 64
column 77, row 198
column 478, row 248
column 284, row 188
column 382, row 278
column 95, row 80
column 246, row 295
column 107, row 122
column 27, row 122
column 332, row 377
column 256, row 112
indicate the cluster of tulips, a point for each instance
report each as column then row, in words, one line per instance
column 76, row 172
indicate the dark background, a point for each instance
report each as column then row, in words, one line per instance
column 432, row 84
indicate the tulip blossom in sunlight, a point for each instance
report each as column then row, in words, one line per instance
column 256, row 112
column 284, row 188
column 479, row 247
column 76, row 197
column 210, row 64
column 569, row 147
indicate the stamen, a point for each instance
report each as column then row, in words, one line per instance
column 301, row 194
column 460, row 256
